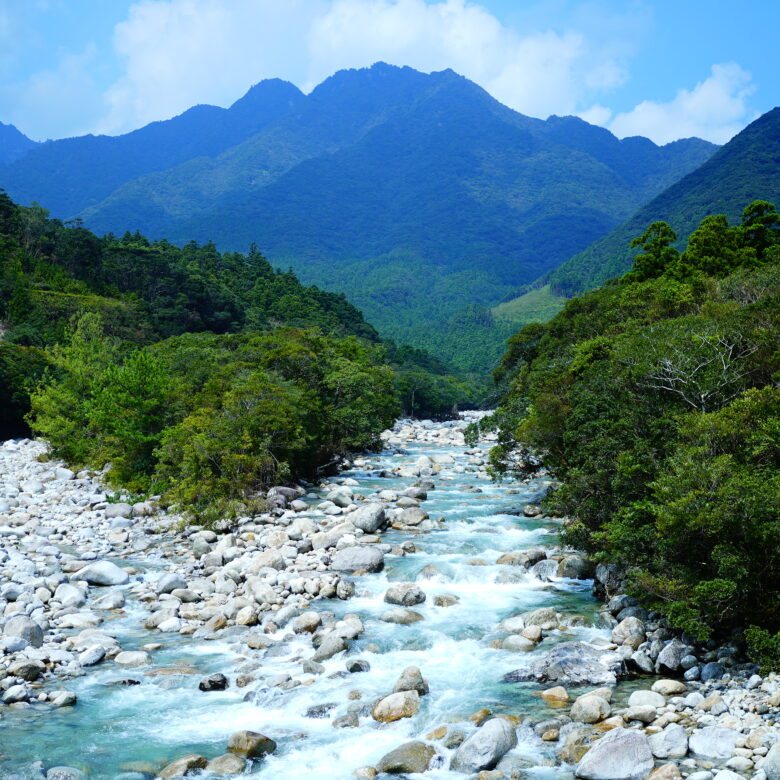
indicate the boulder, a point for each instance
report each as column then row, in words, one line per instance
column 517, row 643
column 672, row 742
column 485, row 747
column 399, row 705
column 669, row 687
column 228, row 764
column 575, row 567
column 670, row 657
column 414, row 515
column 183, row 766
column 411, row 757
column 251, row 744
column 639, row 698
column 369, row 518
column 119, row 510
column 102, row 573
column 771, row 763
column 331, row 645
column 307, row 623
column 411, row 679
column 25, row 629
column 405, row 594
column 621, row 754
column 589, row 709
column 69, row 595
column 401, row 616
column 713, row 742
column 213, row 682
column 573, row 663
column 170, row 581
column 364, row 558
column 630, row 631
column 556, row 694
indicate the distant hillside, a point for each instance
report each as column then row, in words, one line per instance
column 417, row 195
column 747, row 168
column 72, row 174
column 13, row 144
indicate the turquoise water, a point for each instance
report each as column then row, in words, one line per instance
column 116, row 728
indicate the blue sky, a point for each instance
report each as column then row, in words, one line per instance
column 639, row 67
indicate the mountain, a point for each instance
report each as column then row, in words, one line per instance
column 73, row 173
column 418, row 195
column 13, row 144
column 747, row 168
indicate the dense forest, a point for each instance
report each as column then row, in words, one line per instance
column 418, row 195
column 654, row 402
column 197, row 374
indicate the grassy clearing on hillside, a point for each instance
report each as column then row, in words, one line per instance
column 538, row 305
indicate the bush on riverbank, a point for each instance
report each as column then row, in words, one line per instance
column 210, row 420
column 654, row 401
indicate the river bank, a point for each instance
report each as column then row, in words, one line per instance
column 407, row 615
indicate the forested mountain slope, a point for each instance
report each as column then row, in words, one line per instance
column 418, row 195
column 745, row 169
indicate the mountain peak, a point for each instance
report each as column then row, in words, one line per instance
column 13, row 143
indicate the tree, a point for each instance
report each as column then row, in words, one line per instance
column 658, row 254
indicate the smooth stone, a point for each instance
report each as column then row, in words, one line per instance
column 69, row 595
column 24, row 628
column 102, row 573
column 113, row 600
column 352, row 559
column 133, row 658
column 183, row 766
column 589, row 709
column 228, row 764
column 669, row 687
column 401, row 616
column 672, row 742
column 771, row 763
column 713, row 742
column 411, row 679
column 331, row 645
column 412, row 757
column 251, row 744
column 638, row 698
column 170, row 581
column 573, row 663
column 118, row 510
column 621, row 754
column 485, row 747
column 368, row 518
column 405, row 594
column 403, row 704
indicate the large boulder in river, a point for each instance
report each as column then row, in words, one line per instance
column 399, row 705
column 251, row 744
column 183, row 766
column 411, row 757
column 411, row 679
column 102, row 573
column 405, row 594
column 369, row 518
column 352, row 559
column 485, row 747
column 573, row 663
column 621, row 754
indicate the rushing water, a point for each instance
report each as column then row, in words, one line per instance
column 117, row 728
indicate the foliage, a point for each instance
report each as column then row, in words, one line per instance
column 743, row 170
column 417, row 195
column 52, row 274
column 653, row 401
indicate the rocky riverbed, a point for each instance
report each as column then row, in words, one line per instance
column 407, row 617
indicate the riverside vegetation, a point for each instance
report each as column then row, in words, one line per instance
column 201, row 375
column 654, row 401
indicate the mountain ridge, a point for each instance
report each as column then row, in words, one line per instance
column 743, row 170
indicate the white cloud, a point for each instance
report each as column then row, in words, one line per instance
column 715, row 109
column 537, row 72
column 180, row 52
column 66, row 91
